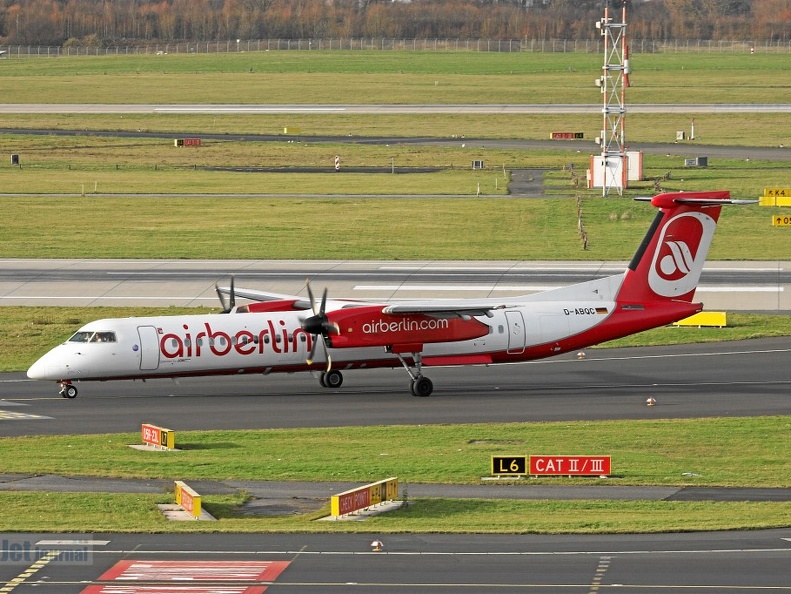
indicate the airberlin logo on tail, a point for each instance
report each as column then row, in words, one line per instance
column 681, row 251
column 679, row 262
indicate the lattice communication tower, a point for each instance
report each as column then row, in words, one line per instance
column 613, row 83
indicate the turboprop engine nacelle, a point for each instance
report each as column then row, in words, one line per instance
column 369, row 326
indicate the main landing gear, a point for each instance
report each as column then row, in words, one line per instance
column 421, row 386
column 67, row 390
column 331, row 379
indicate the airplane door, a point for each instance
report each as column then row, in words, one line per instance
column 516, row 332
column 149, row 348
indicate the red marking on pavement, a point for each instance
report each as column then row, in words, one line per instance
column 169, row 577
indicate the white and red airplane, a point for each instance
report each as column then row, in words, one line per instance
column 280, row 333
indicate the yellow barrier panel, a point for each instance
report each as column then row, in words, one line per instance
column 775, row 197
column 717, row 319
column 365, row 496
column 767, row 201
column 188, row 499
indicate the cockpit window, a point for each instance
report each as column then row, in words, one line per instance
column 83, row 336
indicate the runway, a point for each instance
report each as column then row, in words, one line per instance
column 732, row 286
column 307, row 564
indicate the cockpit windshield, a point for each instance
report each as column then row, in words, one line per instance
column 83, row 336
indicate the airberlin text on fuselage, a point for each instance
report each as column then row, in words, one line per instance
column 244, row 342
column 405, row 325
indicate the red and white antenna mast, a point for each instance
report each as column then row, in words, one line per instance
column 613, row 84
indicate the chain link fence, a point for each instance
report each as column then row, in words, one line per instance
column 384, row 44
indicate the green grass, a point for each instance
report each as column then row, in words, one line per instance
column 687, row 452
column 719, row 452
column 91, row 512
column 388, row 77
column 416, row 228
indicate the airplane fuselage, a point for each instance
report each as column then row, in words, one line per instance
column 178, row 346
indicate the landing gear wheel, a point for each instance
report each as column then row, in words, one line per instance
column 332, row 379
column 68, row 391
column 422, row 387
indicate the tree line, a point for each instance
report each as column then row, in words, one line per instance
column 103, row 23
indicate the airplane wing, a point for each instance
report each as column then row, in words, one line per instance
column 264, row 296
column 432, row 308
column 294, row 301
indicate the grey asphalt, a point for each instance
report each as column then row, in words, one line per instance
column 740, row 562
column 682, row 149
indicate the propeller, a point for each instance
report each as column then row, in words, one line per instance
column 319, row 326
column 226, row 307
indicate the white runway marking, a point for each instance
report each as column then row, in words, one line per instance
column 702, row 288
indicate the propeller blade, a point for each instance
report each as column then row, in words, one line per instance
column 323, row 302
column 319, row 326
column 312, row 352
column 221, row 297
column 311, row 298
column 227, row 306
column 319, row 339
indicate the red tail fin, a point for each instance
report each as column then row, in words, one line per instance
column 669, row 261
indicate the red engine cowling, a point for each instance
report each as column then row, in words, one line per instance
column 368, row 326
column 269, row 306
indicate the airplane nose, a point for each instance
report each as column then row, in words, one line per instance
column 38, row 370
column 49, row 367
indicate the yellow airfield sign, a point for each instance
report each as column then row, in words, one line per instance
column 781, row 221
column 778, row 192
column 775, row 197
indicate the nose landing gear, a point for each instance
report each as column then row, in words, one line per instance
column 67, row 390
